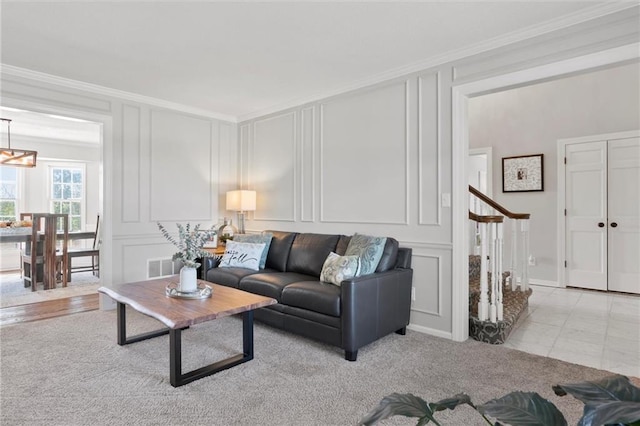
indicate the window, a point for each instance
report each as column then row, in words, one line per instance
column 8, row 194
column 67, row 194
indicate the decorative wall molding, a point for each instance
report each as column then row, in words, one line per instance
column 131, row 145
column 308, row 164
column 426, row 245
column 404, row 84
column 432, row 80
column 438, row 311
column 294, row 157
column 107, row 91
column 168, row 200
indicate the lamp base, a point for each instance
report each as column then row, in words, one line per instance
column 241, row 222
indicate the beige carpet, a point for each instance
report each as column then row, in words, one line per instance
column 70, row 371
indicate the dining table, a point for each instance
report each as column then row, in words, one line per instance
column 8, row 237
column 24, row 236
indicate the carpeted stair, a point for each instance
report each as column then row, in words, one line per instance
column 515, row 303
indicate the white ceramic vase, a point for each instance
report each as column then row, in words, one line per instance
column 188, row 279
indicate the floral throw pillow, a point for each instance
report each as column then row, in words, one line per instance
column 257, row 239
column 242, row 255
column 338, row 268
column 369, row 249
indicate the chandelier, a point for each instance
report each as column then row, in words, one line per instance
column 16, row 157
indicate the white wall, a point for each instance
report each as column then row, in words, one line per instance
column 378, row 160
column 530, row 120
column 375, row 160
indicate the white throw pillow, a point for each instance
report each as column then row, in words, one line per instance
column 338, row 268
column 242, row 255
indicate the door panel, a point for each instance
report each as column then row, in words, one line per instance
column 624, row 213
column 586, row 204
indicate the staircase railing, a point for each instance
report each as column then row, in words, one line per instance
column 489, row 217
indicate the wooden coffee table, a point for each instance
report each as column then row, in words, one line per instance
column 148, row 297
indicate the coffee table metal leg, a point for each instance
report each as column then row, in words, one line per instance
column 175, row 355
column 122, row 329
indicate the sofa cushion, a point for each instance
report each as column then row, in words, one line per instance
column 228, row 276
column 342, row 245
column 271, row 284
column 243, row 255
column 264, row 238
column 314, row 296
column 369, row 249
column 338, row 268
column 309, row 251
column 389, row 256
column 279, row 250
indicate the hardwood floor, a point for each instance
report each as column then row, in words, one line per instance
column 48, row 309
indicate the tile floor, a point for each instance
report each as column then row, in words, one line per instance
column 596, row 329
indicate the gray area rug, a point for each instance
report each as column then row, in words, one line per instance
column 70, row 371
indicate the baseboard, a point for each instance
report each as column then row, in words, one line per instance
column 544, row 283
column 431, row 331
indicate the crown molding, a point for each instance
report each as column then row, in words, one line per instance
column 584, row 15
column 107, row 91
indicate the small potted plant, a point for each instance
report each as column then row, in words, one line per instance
column 189, row 243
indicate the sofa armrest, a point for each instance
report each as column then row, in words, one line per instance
column 208, row 263
column 375, row 305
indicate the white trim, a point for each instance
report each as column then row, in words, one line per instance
column 459, row 220
column 430, row 331
column 488, row 151
column 451, row 56
column 107, row 91
column 544, row 283
column 106, row 180
column 460, row 140
column 560, row 172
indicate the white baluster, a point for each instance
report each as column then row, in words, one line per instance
column 498, row 271
column 483, row 304
column 524, row 280
column 492, row 310
column 514, row 254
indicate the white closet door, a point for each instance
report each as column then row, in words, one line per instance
column 586, row 216
column 624, row 215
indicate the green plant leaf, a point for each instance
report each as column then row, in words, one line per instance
column 611, row 388
column 450, row 403
column 609, row 413
column 523, row 409
column 396, row 404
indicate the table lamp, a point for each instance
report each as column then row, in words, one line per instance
column 241, row 201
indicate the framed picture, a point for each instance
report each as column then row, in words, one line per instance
column 523, row 173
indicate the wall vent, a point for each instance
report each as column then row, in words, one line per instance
column 158, row 268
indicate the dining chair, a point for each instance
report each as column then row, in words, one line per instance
column 41, row 260
column 93, row 252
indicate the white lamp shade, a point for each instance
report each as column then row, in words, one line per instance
column 241, row 200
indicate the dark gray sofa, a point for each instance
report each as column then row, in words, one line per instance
column 360, row 311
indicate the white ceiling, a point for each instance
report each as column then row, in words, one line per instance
column 243, row 58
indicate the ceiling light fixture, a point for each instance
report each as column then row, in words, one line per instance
column 16, row 157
